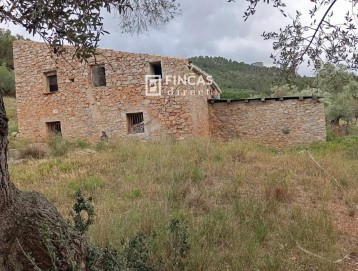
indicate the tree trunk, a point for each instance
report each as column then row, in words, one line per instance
column 6, row 187
column 336, row 127
column 33, row 235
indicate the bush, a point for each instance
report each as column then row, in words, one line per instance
column 7, row 80
column 59, row 146
column 83, row 206
column 83, row 144
column 34, row 151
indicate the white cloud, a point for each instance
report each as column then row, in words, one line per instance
column 206, row 27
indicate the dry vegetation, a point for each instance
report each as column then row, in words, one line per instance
column 247, row 207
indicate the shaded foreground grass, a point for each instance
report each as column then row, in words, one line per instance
column 247, row 207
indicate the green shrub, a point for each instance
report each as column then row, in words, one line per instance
column 179, row 244
column 136, row 253
column 59, row 146
column 81, row 206
column 135, row 193
column 103, row 259
column 83, row 144
column 100, row 145
column 197, row 174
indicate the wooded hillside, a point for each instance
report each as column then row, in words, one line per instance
column 238, row 79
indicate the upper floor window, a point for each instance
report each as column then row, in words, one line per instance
column 98, row 76
column 52, row 85
column 155, row 68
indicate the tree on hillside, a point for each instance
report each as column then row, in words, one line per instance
column 341, row 89
column 6, row 41
column 33, row 235
column 327, row 37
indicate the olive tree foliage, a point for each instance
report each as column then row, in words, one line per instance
column 80, row 22
column 6, row 41
column 339, row 88
column 7, row 80
column 341, row 92
column 325, row 38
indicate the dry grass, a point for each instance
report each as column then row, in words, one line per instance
column 247, row 206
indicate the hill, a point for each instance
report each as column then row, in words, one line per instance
column 238, row 79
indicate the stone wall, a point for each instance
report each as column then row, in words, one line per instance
column 85, row 111
column 277, row 123
column 181, row 111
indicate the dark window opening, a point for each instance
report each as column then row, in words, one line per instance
column 156, row 69
column 52, row 82
column 99, row 76
column 54, row 127
column 135, row 123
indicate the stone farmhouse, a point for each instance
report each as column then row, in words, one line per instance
column 148, row 96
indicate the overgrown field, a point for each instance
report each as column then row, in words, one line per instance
column 246, row 207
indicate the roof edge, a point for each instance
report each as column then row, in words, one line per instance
column 300, row 98
column 199, row 71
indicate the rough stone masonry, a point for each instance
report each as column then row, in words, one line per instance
column 109, row 96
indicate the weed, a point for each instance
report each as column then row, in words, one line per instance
column 135, row 193
column 286, row 130
column 197, row 174
column 81, row 143
column 34, row 152
column 84, row 213
column 100, row 145
column 59, row 146
column 67, row 166
column 136, row 253
column 179, row 176
column 217, row 158
column 104, row 258
column 179, row 244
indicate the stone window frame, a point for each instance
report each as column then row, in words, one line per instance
column 99, row 66
column 135, row 122
column 47, row 76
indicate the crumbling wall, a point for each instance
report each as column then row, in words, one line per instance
column 85, row 111
column 276, row 123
